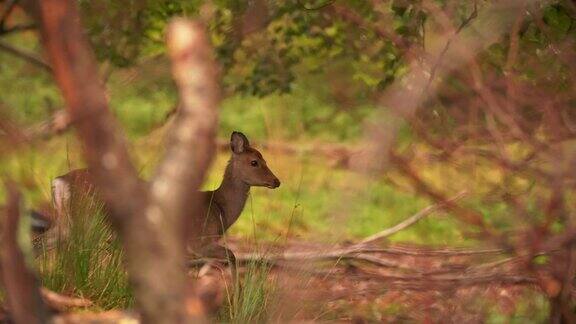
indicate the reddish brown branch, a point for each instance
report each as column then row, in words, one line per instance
column 348, row 15
column 151, row 229
column 192, row 141
column 76, row 73
column 466, row 215
column 20, row 283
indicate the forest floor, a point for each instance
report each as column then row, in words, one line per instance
column 392, row 283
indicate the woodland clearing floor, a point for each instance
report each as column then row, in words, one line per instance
column 396, row 283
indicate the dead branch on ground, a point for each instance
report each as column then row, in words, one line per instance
column 109, row 317
column 61, row 302
column 387, row 263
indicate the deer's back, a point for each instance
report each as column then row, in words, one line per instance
column 77, row 184
column 212, row 215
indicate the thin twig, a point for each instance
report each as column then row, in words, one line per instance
column 324, row 5
column 350, row 16
column 498, row 263
column 440, row 57
column 58, row 123
column 17, row 28
column 28, row 57
column 410, row 221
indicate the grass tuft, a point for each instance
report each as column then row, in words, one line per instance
column 88, row 262
column 250, row 301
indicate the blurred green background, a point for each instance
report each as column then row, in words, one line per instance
column 304, row 76
column 292, row 73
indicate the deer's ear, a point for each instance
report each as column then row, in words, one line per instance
column 238, row 142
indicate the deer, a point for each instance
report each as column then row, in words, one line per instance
column 246, row 168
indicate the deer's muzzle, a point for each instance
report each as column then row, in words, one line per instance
column 275, row 184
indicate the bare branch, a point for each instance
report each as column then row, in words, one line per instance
column 17, row 28
column 192, row 140
column 368, row 255
column 58, row 123
column 20, row 283
column 323, row 5
column 62, row 303
column 153, row 237
column 109, row 317
column 440, row 57
column 464, row 214
column 348, row 15
column 406, row 94
column 28, row 57
column 335, row 255
column 76, row 74
column 410, row 221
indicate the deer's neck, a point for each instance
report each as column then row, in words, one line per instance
column 231, row 196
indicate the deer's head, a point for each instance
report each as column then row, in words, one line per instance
column 248, row 165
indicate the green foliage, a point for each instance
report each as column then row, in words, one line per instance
column 540, row 62
column 264, row 62
column 558, row 20
column 306, row 113
column 294, row 38
column 284, row 54
column 116, row 31
column 28, row 94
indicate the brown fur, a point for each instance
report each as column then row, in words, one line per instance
column 246, row 168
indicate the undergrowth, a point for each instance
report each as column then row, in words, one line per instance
column 88, row 261
column 249, row 301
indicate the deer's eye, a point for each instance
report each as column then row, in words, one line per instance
column 254, row 163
